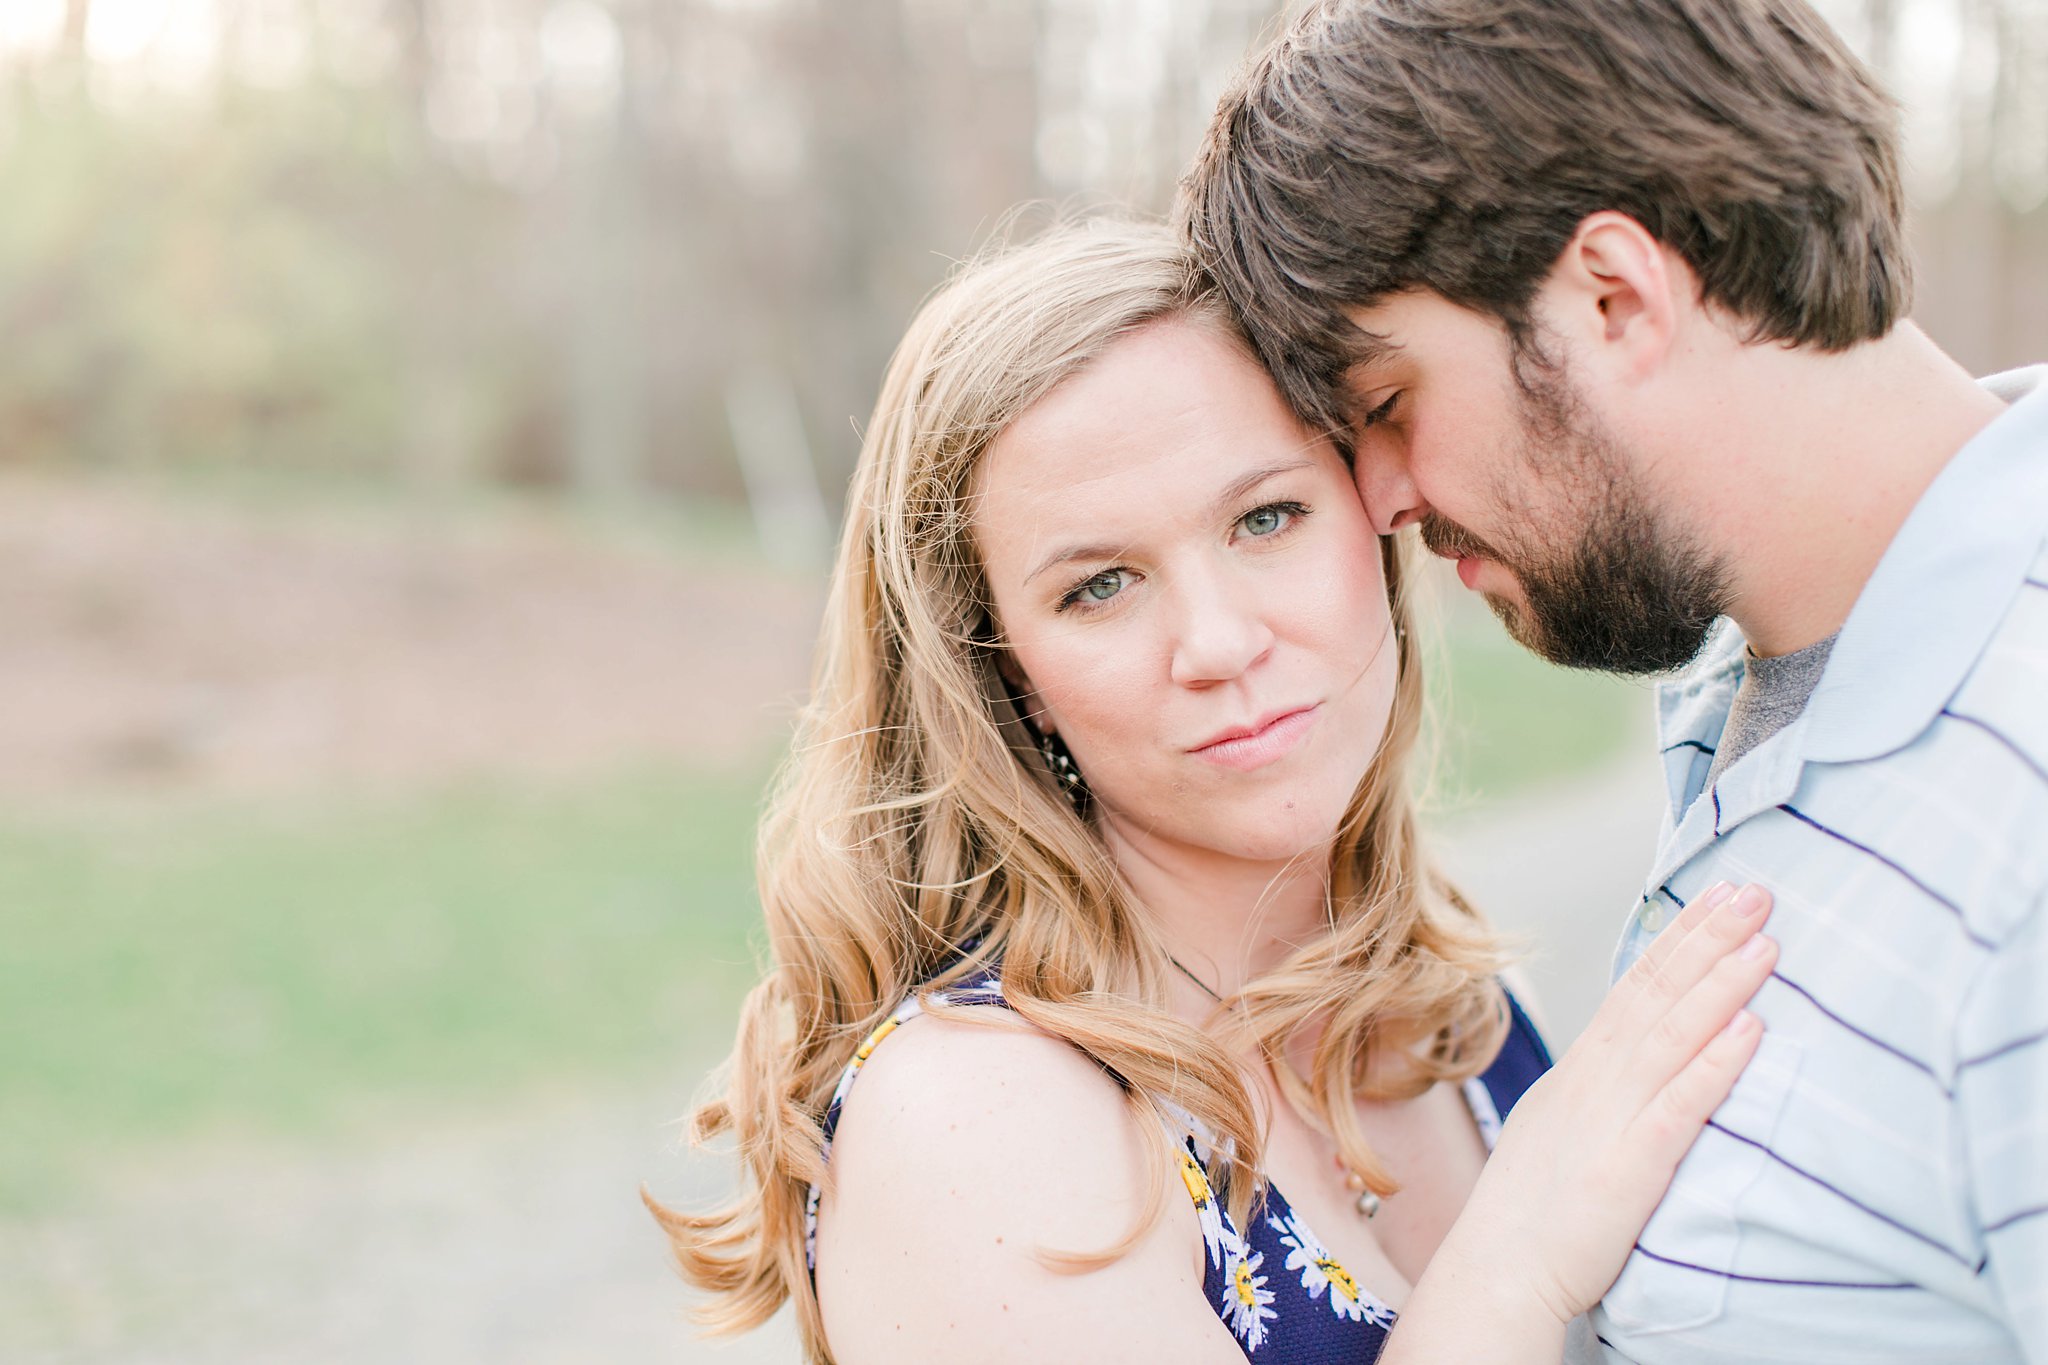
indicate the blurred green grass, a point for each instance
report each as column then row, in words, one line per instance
column 177, row 974
column 1503, row 721
column 316, row 968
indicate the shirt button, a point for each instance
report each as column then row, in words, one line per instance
column 1651, row 917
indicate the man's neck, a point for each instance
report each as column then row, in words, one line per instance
column 1817, row 461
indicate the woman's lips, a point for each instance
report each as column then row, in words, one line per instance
column 1271, row 741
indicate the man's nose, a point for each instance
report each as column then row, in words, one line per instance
column 1389, row 494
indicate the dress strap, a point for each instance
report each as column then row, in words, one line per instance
column 983, row 990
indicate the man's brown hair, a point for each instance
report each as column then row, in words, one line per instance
column 1456, row 145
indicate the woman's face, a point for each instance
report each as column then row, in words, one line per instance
column 1192, row 597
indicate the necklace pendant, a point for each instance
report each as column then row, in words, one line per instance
column 1367, row 1202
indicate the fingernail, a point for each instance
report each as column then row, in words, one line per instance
column 1751, row 901
column 1742, row 1023
column 1756, row 948
column 1712, row 897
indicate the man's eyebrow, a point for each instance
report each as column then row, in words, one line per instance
column 1233, row 492
column 1370, row 348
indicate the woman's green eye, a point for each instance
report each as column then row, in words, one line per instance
column 1263, row 521
column 1091, row 593
column 1102, row 587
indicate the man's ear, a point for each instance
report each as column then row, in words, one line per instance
column 1616, row 294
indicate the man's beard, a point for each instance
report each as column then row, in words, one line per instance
column 1626, row 595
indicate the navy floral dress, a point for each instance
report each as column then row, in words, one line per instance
column 1281, row 1293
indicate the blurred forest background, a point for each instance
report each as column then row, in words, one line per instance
column 422, row 424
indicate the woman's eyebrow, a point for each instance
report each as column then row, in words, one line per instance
column 1073, row 552
column 1233, row 492
column 1237, row 488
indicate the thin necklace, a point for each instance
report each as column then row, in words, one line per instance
column 1200, row 984
column 1364, row 1200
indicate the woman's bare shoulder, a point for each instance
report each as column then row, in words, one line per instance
column 978, row 1092
column 968, row 1147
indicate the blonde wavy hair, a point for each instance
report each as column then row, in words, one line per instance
column 914, row 835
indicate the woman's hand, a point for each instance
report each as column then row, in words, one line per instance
column 1591, row 1148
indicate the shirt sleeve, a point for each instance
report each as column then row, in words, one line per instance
column 2002, row 1097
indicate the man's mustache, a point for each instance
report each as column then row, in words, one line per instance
column 1442, row 536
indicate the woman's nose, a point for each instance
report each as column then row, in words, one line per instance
column 1222, row 633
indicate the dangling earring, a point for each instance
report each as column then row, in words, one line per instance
column 1061, row 763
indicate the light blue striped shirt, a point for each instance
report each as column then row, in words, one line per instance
column 1876, row 1188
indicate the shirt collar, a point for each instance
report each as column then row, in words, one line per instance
column 1692, row 709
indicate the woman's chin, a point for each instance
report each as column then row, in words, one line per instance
column 1288, row 827
column 1283, row 838
column 1295, row 848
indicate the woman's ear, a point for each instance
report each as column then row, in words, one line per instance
column 1023, row 695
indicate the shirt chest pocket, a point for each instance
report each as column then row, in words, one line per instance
column 1678, row 1276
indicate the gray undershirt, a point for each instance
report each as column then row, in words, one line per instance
column 1773, row 693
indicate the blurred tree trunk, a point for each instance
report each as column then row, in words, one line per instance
column 77, row 19
column 1980, row 261
column 1882, row 19
column 412, row 25
column 608, row 392
column 891, row 188
column 433, row 314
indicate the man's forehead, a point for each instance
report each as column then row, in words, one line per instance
column 1375, row 337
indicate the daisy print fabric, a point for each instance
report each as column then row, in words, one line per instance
column 1217, row 1240
column 1246, row 1303
column 1321, row 1275
column 1277, row 1288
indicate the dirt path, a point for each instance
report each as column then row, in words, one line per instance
column 518, row 1241
column 152, row 647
